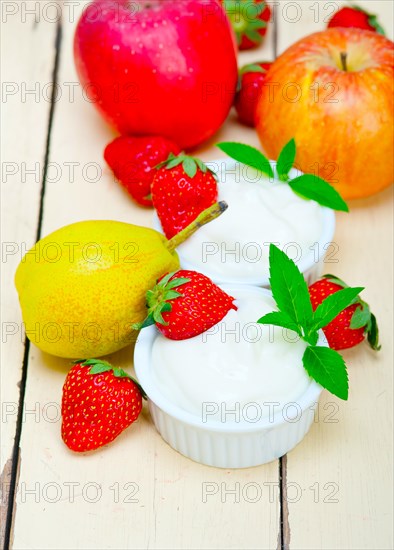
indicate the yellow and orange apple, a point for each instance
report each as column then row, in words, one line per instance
column 333, row 91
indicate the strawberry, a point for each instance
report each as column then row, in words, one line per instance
column 249, row 19
column 251, row 78
column 98, row 403
column 182, row 188
column 349, row 327
column 354, row 16
column 198, row 306
column 133, row 161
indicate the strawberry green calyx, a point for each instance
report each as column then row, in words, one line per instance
column 252, row 68
column 99, row 366
column 307, row 186
column 158, row 300
column 244, row 17
column 372, row 19
column 189, row 164
column 362, row 317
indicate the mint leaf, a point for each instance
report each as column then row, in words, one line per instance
column 317, row 189
column 247, row 155
column 286, row 160
column 279, row 319
column 328, row 368
column 333, row 305
column 289, row 288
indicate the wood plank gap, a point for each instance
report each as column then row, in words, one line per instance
column 16, row 458
column 284, row 531
column 275, row 15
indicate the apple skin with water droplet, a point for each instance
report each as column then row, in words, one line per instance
column 158, row 68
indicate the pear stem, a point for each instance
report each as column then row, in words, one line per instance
column 206, row 216
column 343, row 61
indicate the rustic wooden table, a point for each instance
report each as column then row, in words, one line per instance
column 333, row 491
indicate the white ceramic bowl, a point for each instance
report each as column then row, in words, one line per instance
column 228, row 444
column 311, row 264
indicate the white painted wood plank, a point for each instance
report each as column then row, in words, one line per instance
column 340, row 479
column 27, row 59
column 169, row 512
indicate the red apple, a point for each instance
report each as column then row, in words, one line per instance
column 158, row 67
column 333, row 92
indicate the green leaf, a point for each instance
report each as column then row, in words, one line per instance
column 333, row 305
column 289, row 288
column 257, row 24
column 173, row 163
column 177, row 282
column 328, row 368
column 336, row 280
column 258, row 8
column 120, row 373
column 164, row 280
column 190, row 167
column 171, row 295
column 247, row 155
column 361, row 317
column 164, row 162
column 98, row 369
column 373, row 334
column 147, row 322
column 312, row 337
column 286, row 160
column 279, row 319
column 373, row 21
column 251, row 68
column 317, row 189
column 98, row 365
column 203, row 167
column 253, row 36
column 157, row 317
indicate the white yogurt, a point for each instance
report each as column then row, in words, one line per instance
column 235, row 246
column 238, row 365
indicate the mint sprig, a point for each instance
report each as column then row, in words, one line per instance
column 308, row 186
column 291, row 295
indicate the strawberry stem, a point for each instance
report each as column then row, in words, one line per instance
column 206, row 216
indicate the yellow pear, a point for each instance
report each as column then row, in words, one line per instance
column 82, row 287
